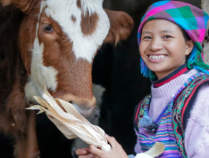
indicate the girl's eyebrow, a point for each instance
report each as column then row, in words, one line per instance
column 144, row 32
column 164, row 31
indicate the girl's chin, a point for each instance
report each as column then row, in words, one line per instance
column 156, row 68
column 159, row 70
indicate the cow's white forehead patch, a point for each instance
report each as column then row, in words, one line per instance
column 84, row 46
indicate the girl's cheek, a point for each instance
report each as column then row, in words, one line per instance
column 141, row 50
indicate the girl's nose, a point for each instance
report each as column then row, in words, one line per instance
column 155, row 45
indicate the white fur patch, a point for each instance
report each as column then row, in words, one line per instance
column 61, row 11
column 30, row 91
column 40, row 74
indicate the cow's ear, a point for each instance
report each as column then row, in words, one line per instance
column 25, row 6
column 121, row 26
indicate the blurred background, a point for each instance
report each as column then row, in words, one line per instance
column 117, row 70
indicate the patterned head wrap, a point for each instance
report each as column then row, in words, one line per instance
column 190, row 18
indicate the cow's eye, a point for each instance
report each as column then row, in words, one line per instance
column 48, row 28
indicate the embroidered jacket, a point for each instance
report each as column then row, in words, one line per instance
column 181, row 109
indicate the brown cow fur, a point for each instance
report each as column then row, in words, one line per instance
column 14, row 119
column 27, row 6
column 89, row 23
column 79, row 3
column 10, row 59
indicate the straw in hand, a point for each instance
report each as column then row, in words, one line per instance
column 69, row 121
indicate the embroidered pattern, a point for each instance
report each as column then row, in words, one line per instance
column 173, row 118
column 179, row 109
column 164, row 133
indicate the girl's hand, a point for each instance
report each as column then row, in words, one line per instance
column 84, row 153
column 93, row 152
column 116, row 151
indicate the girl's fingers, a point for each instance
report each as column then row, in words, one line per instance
column 83, row 151
column 95, row 151
column 111, row 140
column 86, row 156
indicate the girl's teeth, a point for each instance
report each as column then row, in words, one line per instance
column 157, row 56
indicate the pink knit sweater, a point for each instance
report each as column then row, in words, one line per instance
column 197, row 130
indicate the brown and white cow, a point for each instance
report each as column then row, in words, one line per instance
column 56, row 41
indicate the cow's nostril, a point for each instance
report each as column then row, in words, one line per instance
column 71, row 102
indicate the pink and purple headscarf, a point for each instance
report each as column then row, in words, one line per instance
column 190, row 18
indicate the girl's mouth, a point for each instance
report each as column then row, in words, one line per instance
column 156, row 58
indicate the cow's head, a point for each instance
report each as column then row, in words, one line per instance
column 58, row 40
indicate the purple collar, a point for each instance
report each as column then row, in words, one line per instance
column 179, row 71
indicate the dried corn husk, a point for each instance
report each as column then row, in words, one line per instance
column 155, row 151
column 69, row 121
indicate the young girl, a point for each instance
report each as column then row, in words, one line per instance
column 176, row 112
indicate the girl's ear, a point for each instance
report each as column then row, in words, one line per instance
column 189, row 47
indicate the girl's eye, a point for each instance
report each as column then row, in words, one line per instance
column 48, row 28
column 167, row 36
column 146, row 37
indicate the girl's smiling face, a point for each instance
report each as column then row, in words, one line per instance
column 163, row 47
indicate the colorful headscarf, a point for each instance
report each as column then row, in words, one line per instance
column 190, row 18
